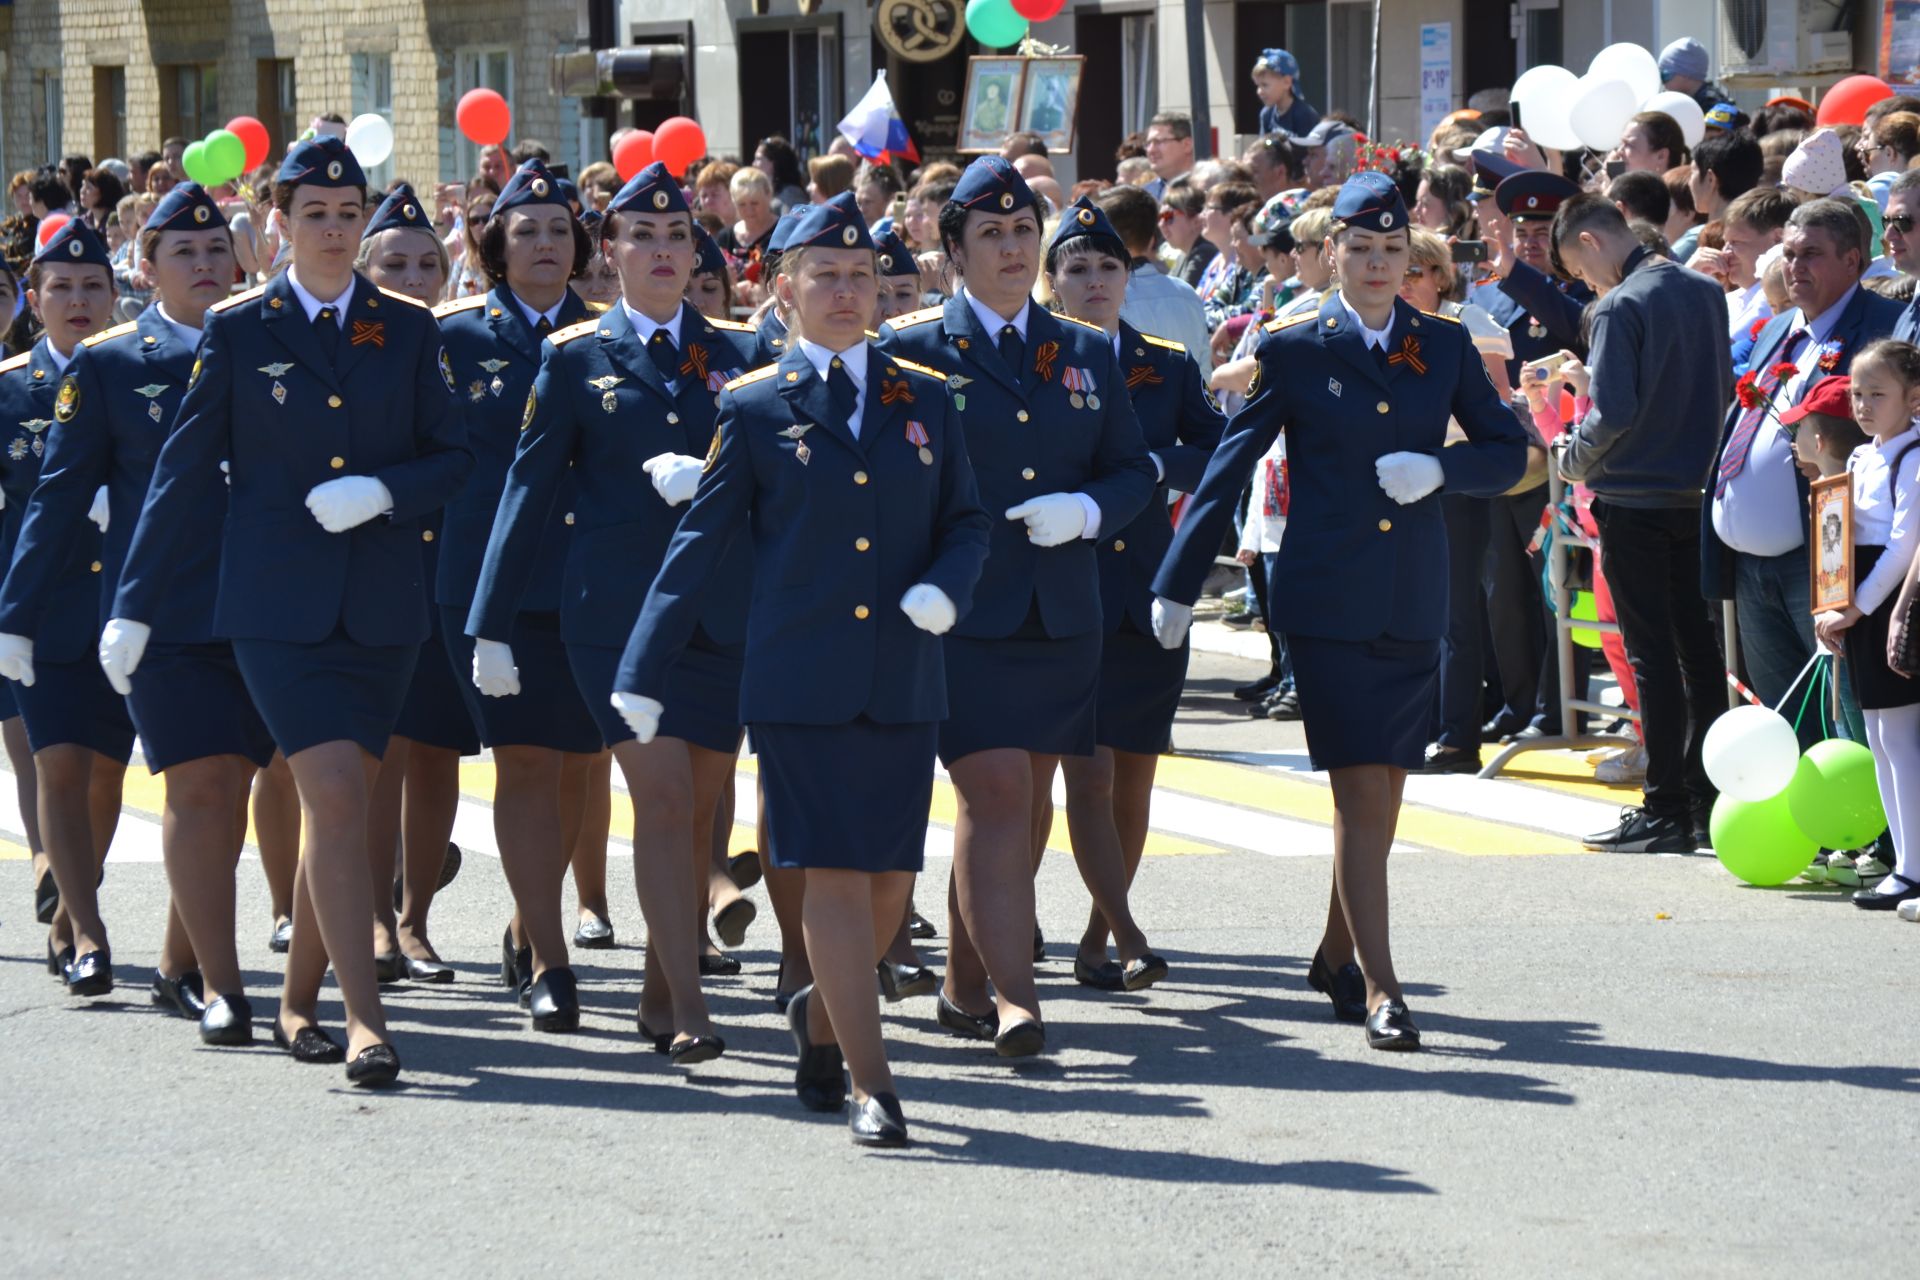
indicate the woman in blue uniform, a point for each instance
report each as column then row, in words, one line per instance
column 849, row 469
column 418, row 791
column 332, row 401
column 198, row 727
column 624, row 404
column 544, row 740
column 1053, row 440
column 1363, row 387
column 899, row 277
column 77, row 725
column 1109, row 796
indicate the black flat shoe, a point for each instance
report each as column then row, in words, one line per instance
column 89, row 975
column 228, row 1021
column 1145, row 970
column 57, row 961
column 390, row 969
column 1039, row 945
column 661, row 1041
column 898, row 981
column 1347, row 987
column 731, row 921
column 968, row 1026
column 46, row 899
column 374, row 1067
column 516, row 963
column 1104, row 976
column 554, row 1001
column 695, row 1050
column 918, row 926
column 1023, row 1039
column 718, row 966
column 282, row 936
column 1874, row 900
column 1450, row 760
column 878, row 1122
column 185, row 995
column 1258, row 690
column 744, row 870
column 426, row 970
column 1391, row 1027
column 595, row 933
column 311, row 1046
column 819, row 1079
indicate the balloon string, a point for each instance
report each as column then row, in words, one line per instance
column 1796, row 681
column 1805, row 698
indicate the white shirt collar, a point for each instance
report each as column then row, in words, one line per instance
column 1823, row 324
column 188, row 335
column 311, row 305
column 551, row 316
column 993, row 322
column 1374, row 337
column 645, row 326
column 60, row 362
column 853, row 359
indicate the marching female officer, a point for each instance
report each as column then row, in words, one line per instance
column 899, row 277
column 333, row 401
column 849, row 469
column 418, row 791
column 1363, row 388
column 1058, row 453
column 77, row 725
column 198, row 727
column 1109, row 796
column 624, row 404
column 543, row 741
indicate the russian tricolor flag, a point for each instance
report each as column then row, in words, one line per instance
column 875, row 128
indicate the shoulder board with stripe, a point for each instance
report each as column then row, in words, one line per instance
column 761, row 374
column 1435, row 315
column 115, row 332
column 1288, row 322
column 599, row 308
column 1168, row 343
column 912, row 318
column 1067, row 319
column 238, row 298
column 402, row 297
column 917, row 368
column 460, row 304
column 733, row 325
column 17, row 362
column 573, row 331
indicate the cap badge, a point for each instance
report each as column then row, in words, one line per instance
column 1386, row 220
column 1006, row 200
column 200, row 213
column 75, row 248
column 409, row 212
column 335, row 169
column 1533, row 202
column 1086, row 217
column 538, row 186
column 659, row 199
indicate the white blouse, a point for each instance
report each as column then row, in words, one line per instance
column 1886, row 510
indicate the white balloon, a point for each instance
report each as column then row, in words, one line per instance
column 370, row 138
column 1684, row 111
column 1751, row 753
column 1629, row 62
column 1543, row 95
column 1600, row 110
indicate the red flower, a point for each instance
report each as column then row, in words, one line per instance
column 1784, row 370
column 1757, row 326
column 1393, row 154
column 1749, row 394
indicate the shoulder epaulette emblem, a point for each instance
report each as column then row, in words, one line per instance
column 573, row 331
column 17, row 362
column 761, row 374
column 1435, row 315
column 1082, row 323
column 460, row 304
column 403, row 297
column 599, row 308
column 1288, row 322
column 918, row 368
column 733, row 325
column 1168, row 343
column 238, row 298
column 912, row 318
column 104, row 334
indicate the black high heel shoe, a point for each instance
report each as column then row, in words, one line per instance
column 744, row 870
column 718, row 966
column 374, row 1067
column 819, row 1078
column 57, row 961
column 1345, row 986
column 89, row 975
column 554, row 1001
column 878, row 1122
column 311, row 1045
column 898, row 981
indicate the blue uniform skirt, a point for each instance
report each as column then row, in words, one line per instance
column 8, row 707
column 337, row 690
column 71, row 704
column 847, row 796
column 548, row 711
column 1026, row 691
column 1366, row 701
column 702, row 692
column 189, row 702
column 435, row 713
column 1140, row 685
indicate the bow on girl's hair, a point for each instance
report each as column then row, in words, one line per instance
column 1409, row 355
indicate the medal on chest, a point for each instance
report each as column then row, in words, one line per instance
column 605, row 385
column 797, row 433
column 917, row 436
column 150, row 391
column 1535, row 329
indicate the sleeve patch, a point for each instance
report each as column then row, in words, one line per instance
column 68, row 402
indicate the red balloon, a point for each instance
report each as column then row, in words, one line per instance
column 1847, row 101
column 253, row 136
column 677, row 143
column 484, row 117
column 634, row 153
column 1038, row 10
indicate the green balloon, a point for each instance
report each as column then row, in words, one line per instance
column 1758, row 841
column 226, row 156
column 1835, row 796
column 994, row 23
column 1585, row 609
column 194, row 161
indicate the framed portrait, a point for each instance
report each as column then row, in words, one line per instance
column 992, row 102
column 1051, row 98
column 1832, row 543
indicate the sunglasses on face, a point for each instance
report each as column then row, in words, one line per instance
column 1901, row 222
column 1416, row 272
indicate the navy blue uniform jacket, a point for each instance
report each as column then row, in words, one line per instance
column 67, row 619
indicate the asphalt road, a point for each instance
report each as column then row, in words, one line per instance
column 1634, row 1067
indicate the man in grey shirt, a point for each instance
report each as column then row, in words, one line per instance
column 1156, row 302
column 1661, row 375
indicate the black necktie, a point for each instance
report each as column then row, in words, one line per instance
column 326, row 327
column 841, row 393
column 544, row 328
column 1379, row 357
column 666, row 357
column 1014, row 352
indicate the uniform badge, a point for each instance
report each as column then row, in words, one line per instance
column 713, row 451
column 526, row 418
column 279, row 392
column 606, row 382
column 36, row 425
column 917, row 435
column 959, row 403
column 957, row 382
column 1333, row 385
column 374, row 333
column 1535, row 329
column 151, row 390
column 68, row 402
column 446, row 370
column 17, row 448
column 609, row 402
column 477, row 391
column 194, row 376
column 277, row 370
column 795, row 433
column 493, row 366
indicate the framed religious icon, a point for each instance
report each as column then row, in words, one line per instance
column 987, row 111
column 1832, row 543
column 1052, row 95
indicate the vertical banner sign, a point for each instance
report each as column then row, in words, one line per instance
column 1436, row 74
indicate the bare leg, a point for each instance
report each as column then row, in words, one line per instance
column 276, row 828
column 1098, row 853
column 845, row 936
column 586, row 813
column 335, row 781
column 64, row 774
column 430, row 801
column 527, row 823
column 1366, row 810
column 661, row 779
column 992, row 927
column 383, row 839
column 201, row 845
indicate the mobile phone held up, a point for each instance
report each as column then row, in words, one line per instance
column 1469, row 250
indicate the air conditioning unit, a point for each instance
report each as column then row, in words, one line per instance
column 1783, row 37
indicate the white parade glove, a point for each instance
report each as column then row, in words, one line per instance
column 3, row 499
column 928, row 607
column 493, row 671
column 676, row 477
column 98, row 511
column 1409, row 477
column 122, row 644
column 1170, row 622
column 340, row 505
column 641, row 713
column 226, row 472
column 16, row 658
column 1052, row 518
column 1159, row 468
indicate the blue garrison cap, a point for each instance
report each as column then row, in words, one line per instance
column 1083, row 221
column 400, row 211
column 76, row 243
column 530, row 184
column 1533, row 194
column 321, row 161
column 1370, row 202
column 1280, row 62
column 837, row 224
column 783, row 227
column 708, row 260
column 895, row 258
column 992, row 185
column 187, row 207
column 652, row 190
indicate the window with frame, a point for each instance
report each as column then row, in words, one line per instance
column 371, row 93
column 277, row 93
column 110, row 111
column 52, row 110
column 190, row 99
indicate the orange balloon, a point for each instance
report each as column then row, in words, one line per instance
column 634, row 153
column 677, row 143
